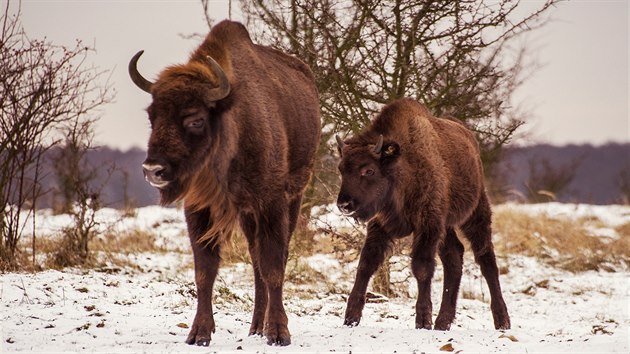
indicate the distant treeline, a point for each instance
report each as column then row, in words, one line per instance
column 578, row 173
column 119, row 179
column 572, row 173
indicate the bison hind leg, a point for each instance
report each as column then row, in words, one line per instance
column 478, row 231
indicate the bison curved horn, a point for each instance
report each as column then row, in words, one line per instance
column 220, row 92
column 141, row 82
column 379, row 145
column 340, row 143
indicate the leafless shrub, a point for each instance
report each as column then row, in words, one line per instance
column 546, row 181
column 44, row 88
column 456, row 57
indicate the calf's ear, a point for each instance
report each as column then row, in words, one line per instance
column 390, row 151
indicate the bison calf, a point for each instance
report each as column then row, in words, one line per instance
column 410, row 173
column 233, row 135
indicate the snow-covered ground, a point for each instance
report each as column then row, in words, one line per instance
column 148, row 305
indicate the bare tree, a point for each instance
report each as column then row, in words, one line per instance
column 547, row 182
column 76, row 178
column 623, row 182
column 456, row 57
column 44, row 88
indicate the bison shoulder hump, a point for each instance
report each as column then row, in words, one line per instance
column 227, row 30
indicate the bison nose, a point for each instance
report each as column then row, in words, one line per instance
column 155, row 174
column 345, row 206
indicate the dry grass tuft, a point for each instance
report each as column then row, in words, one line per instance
column 623, row 230
column 235, row 250
column 58, row 252
column 133, row 241
column 302, row 244
column 566, row 243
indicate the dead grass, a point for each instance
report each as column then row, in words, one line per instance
column 133, row 241
column 623, row 230
column 55, row 253
column 566, row 243
column 235, row 250
column 562, row 242
column 302, row 244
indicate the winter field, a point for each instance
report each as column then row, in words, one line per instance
column 143, row 299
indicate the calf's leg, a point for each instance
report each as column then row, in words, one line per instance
column 372, row 256
column 452, row 257
column 478, row 230
column 423, row 252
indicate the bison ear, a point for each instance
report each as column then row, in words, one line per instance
column 390, row 150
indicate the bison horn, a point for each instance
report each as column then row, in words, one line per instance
column 141, row 82
column 379, row 145
column 220, row 92
column 340, row 143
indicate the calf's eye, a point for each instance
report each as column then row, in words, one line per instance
column 195, row 124
column 367, row 172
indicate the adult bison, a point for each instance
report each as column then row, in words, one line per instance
column 410, row 173
column 233, row 135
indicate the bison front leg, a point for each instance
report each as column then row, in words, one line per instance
column 423, row 252
column 372, row 256
column 452, row 256
column 206, row 259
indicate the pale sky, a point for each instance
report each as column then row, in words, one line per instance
column 580, row 95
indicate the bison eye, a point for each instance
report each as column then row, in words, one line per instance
column 367, row 172
column 194, row 125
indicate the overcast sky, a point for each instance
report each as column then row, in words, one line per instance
column 580, row 94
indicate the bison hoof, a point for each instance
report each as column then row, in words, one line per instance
column 503, row 325
column 281, row 341
column 351, row 322
column 423, row 326
column 257, row 327
column 424, row 320
column 200, row 334
column 202, row 341
column 442, row 326
column 277, row 334
column 253, row 331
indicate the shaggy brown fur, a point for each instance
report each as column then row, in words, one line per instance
column 236, row 142
column 423, row 178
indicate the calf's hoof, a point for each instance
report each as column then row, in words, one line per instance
column 351, row 322
column 502, row 324
column 501, row 317
column 423, row 322
column 353, row 312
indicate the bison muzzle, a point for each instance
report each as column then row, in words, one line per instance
column 233, row 137
column 409, row 173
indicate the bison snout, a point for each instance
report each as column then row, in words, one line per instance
column 156, row 174
column 346, row 206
